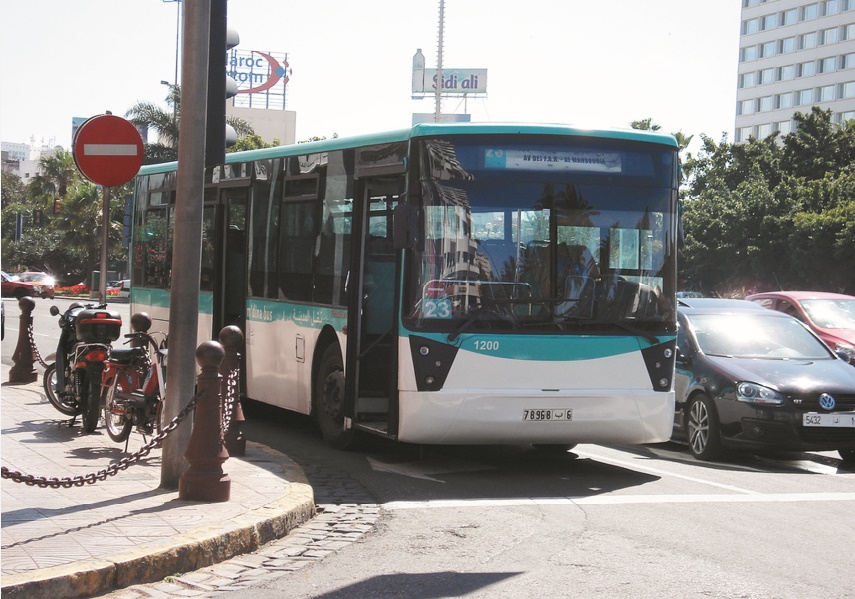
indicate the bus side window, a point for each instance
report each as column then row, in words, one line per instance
column 297, row 242
column 332, row 257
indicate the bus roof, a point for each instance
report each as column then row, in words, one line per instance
column 431, row 130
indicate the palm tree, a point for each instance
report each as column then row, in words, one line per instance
column 146, row 115
column 57, row 173
column 79, row 227
column 645, row 125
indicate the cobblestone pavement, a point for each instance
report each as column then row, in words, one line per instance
column 345, row 514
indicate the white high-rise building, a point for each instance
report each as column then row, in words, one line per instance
column 793, row 55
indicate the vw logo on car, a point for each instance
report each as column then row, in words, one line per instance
column 827, row 402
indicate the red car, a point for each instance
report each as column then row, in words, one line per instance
column 829, row 315
column 44, row 280
column 12, row 287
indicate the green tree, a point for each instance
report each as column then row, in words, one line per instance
column 773, row 212
column 251, row 142
column 149, row 116
column 56, row 174
column 78, row 230
column 14, row 201
column 816, row 147
column 645, row 125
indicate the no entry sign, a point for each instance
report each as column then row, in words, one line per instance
column 108, row 150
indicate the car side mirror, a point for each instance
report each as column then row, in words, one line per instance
column 682, row 358
column 844, row 356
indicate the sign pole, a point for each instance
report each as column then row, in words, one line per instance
column 105, row 236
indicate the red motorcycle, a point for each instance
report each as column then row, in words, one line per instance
column 133, row 383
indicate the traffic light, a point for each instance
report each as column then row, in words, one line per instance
column 220, row 86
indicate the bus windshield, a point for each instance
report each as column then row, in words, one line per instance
column 543, row 231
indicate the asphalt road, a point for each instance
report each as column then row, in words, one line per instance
column 502, row 522
column 649, row 521
column 46, row 327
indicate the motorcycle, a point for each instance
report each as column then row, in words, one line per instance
column 132, row 385
column 73, row 382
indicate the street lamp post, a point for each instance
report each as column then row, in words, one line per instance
column 178, row 13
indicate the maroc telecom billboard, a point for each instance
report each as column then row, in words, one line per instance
column 261, row 78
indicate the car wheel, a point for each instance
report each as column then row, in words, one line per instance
column 847, row 455
column 703, row 428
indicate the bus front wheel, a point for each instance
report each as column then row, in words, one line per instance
column 329, row 400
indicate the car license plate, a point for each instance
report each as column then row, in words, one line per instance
column 840, row 419
column 548, row 415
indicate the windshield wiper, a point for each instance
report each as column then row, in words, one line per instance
column 477, row 312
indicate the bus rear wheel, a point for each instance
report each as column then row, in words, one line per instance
column 329, row 400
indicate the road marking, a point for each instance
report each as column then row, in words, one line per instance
column 620, row 500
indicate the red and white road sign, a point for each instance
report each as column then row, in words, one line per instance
column 108, row 150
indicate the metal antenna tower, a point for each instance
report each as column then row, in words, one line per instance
column 438, row 100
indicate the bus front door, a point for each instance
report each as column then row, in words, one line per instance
column 371, row 385
column 230, row 284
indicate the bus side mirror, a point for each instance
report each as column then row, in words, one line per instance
column 405, row 227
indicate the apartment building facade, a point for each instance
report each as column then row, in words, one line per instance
column 794, row 55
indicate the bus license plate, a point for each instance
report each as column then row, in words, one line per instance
column 548, row 415
column 839, row 420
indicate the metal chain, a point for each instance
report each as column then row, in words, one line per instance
column 36, row 353
column 111, row 470
column 228, row 402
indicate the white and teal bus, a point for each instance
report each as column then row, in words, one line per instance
column 445, row 284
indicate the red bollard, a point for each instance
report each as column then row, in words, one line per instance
column 231, row 338
column 23, row 370
column 205, row 480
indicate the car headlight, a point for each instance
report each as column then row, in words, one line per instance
column 847, row 349
column 754, row 393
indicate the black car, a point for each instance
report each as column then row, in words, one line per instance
column 759, row 380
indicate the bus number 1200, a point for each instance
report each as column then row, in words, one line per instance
column 481, row 345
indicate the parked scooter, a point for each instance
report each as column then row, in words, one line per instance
column 73, row 382
column 133, row 384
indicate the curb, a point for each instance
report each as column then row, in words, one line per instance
column 186, row 552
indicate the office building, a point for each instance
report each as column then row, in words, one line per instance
column 794, row 55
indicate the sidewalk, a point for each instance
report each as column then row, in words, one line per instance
column 81, row 541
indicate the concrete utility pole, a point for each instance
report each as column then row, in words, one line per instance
column 187, row 252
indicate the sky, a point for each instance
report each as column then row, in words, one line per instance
column 585, row 63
